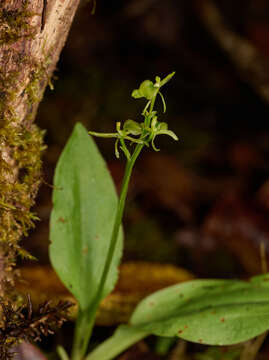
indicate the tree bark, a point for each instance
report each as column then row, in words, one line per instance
column 32, row 35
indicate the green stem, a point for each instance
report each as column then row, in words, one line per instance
column 86, row 318
column 153, row 100
column 124, row 337
column 83, row 330
column 118, row 219
column 62, row 353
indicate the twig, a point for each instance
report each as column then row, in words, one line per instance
column 179, row 352
column 253, row 68
column 264, row 266
column 252, row 347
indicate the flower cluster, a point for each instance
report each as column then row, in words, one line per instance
column 143, row 133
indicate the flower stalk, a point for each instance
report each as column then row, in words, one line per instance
column 141, row 134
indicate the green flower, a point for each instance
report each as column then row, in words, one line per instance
column 143, row 133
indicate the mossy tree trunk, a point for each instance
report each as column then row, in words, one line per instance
column 32, row 35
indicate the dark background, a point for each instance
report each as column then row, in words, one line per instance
column 202, row 202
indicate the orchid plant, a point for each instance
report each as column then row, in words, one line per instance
column 86, row 246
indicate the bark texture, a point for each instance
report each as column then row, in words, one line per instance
column 32, row 35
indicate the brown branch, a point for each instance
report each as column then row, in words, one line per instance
column 253, row 68
column 31, row 39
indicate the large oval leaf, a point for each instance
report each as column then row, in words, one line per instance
column 84, row 207
column 215, row 312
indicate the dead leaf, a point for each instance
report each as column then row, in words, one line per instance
column 136, row 281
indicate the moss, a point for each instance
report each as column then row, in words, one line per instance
column 24, row 143
column 15, row 24
column 25, row 146
column 38, row 75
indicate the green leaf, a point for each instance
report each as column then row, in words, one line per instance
column 176, row 295
column 84, row 207
column 262, row 280
column 215, row 312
